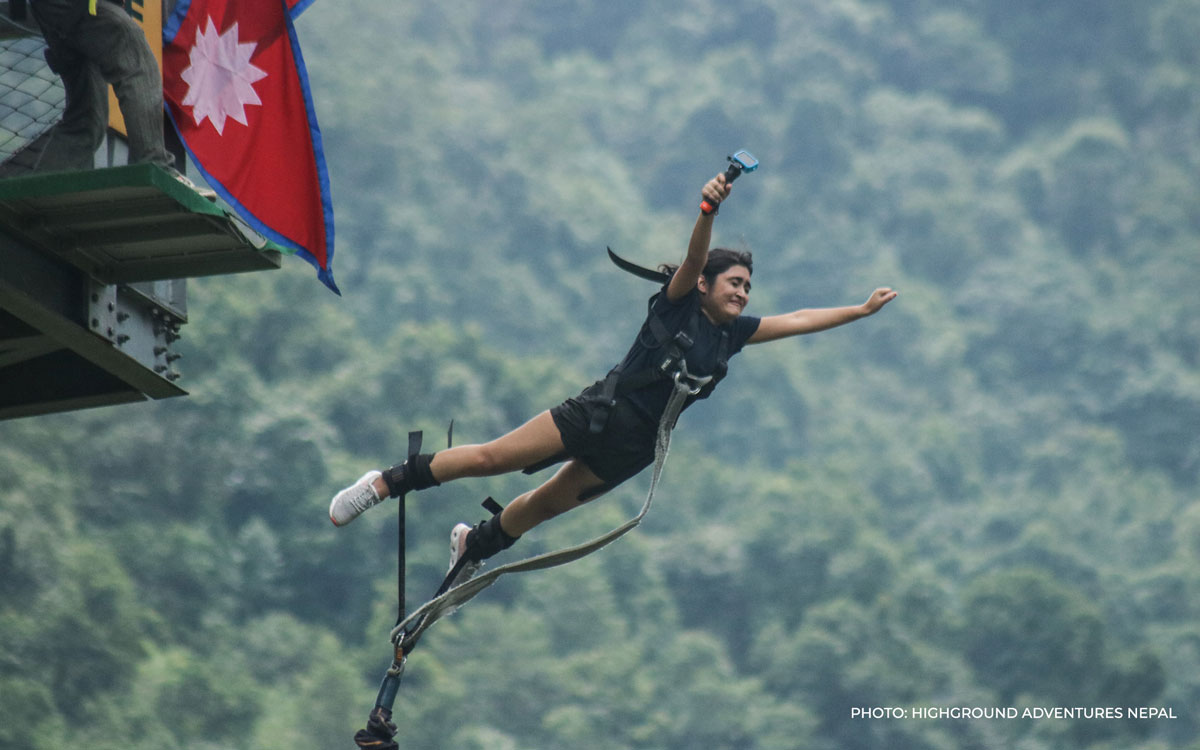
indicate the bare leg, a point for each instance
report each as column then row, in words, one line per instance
column 557, row 495
column 536, row 440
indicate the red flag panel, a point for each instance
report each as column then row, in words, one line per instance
column 237, row 92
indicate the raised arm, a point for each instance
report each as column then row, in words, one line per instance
column 685, row 278
column 818, row 319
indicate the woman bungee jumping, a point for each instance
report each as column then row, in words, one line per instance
column 607, row 434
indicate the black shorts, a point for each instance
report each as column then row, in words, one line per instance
column 621, row 450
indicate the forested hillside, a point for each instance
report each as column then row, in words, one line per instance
column 983, row 496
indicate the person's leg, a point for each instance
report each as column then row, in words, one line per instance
column 75, row 138
column 570, row 487
column 535, row 441
column 116, row 45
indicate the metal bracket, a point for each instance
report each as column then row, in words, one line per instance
column 141, row 320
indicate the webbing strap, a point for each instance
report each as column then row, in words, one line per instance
column 414, row 447
column 411, row 628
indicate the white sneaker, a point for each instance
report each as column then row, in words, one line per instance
column 348, row 504
column 458, row 548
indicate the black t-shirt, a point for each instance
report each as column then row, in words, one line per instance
column 701, row 357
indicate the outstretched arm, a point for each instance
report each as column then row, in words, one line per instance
column 818, row 319
column 685, row 278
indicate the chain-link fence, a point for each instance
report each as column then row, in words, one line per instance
column 31, row 96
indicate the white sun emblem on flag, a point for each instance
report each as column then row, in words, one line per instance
column 220, row 77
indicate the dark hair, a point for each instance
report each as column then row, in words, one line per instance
column 720, row 260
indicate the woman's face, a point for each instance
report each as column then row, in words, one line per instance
column 728, row 296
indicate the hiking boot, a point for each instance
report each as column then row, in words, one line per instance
column 458, row 550
column 348, row 504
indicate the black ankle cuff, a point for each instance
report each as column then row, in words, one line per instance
column 422, row 471
column 414, row 474
column 488, row 538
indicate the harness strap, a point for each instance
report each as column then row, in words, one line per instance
column 380, row 729
column 721, row 367
column 607, row 400
column 659, row 277
column 414, row 447
column 675, row 346
column 547, row 463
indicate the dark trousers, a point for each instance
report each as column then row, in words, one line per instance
column 87, row 52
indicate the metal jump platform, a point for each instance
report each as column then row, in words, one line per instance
column 92, row 283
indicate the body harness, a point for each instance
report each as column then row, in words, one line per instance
column 672, row 350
